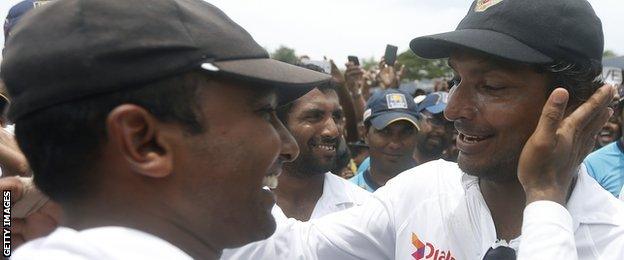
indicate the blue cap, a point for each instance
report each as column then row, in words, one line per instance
column 388, row 106
column 17, row 11
column 435, row 103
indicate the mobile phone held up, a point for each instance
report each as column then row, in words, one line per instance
column 354, row 60
column 391, row 54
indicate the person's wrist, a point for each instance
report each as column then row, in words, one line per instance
column 545, row 193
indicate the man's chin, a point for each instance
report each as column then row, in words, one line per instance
column 494, row 173
column 261, row 232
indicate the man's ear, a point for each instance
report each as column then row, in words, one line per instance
column 366, row 132
column 140, row 139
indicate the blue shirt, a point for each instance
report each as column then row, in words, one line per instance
column 606, row 165
column 363, row 166
column 365, row 181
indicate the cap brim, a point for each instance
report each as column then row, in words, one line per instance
column 439, row 108
column 439, row 46
column 383, row 120
column 292, row 81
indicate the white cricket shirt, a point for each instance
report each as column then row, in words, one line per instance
column 104, row 243
column 434, row 211
column 338, row 194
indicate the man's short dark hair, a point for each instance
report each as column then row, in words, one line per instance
column 579, row 79
column 63, row 142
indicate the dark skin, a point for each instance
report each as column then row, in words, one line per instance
column 161, row 179
column 489, row 89
column 391, row 150
column 315, row 120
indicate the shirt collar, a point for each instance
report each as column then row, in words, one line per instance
column 335, row 191
column 588, row 204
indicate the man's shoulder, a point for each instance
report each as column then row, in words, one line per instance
column 354, row 191
column 98, row 243
column 435, row 177
column 438, row 170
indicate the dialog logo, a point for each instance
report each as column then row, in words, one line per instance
column 425, row 250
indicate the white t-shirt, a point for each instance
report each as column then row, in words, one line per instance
column 104, row 243
column 434, row 211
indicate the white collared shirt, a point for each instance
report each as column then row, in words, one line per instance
column 338, row 194
column 99, row 243
column 434, row 211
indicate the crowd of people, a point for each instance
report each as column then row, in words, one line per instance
column 159, row 129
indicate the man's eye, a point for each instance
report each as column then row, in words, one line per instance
column 492, row 88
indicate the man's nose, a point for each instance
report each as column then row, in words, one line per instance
column 460, row 104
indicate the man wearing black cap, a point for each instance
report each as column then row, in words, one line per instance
column 391, row 122
column 527, row 108
column 152, row 123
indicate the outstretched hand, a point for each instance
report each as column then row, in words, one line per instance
column 551, row 157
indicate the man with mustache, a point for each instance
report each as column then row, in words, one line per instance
column 526, row 105
column 436, row 131
column 307, row 189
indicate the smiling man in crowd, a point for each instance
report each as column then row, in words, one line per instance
column 152, row 123
column 307, row 189
column 391, row 122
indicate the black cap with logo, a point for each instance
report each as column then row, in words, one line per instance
column 71, row 49
column 529, row 31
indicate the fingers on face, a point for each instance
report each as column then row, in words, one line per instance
column 551, row 117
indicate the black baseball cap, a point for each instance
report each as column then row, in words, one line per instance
column 528, row 31
column 72, row 49
column 388, row 106
column 17, row 11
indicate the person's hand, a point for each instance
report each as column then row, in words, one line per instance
column 337, row 76
column 551, row 157
column 354, row 76
column 390, row 76
column 12, row 159
column 43, row 215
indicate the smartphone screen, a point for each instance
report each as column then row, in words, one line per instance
column 391, row 54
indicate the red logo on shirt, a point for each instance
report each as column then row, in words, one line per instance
column 429, row 251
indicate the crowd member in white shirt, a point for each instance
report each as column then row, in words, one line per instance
column 522, row 106
column 152, row 123
column 307, row 189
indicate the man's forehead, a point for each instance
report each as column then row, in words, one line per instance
column 317, row 99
